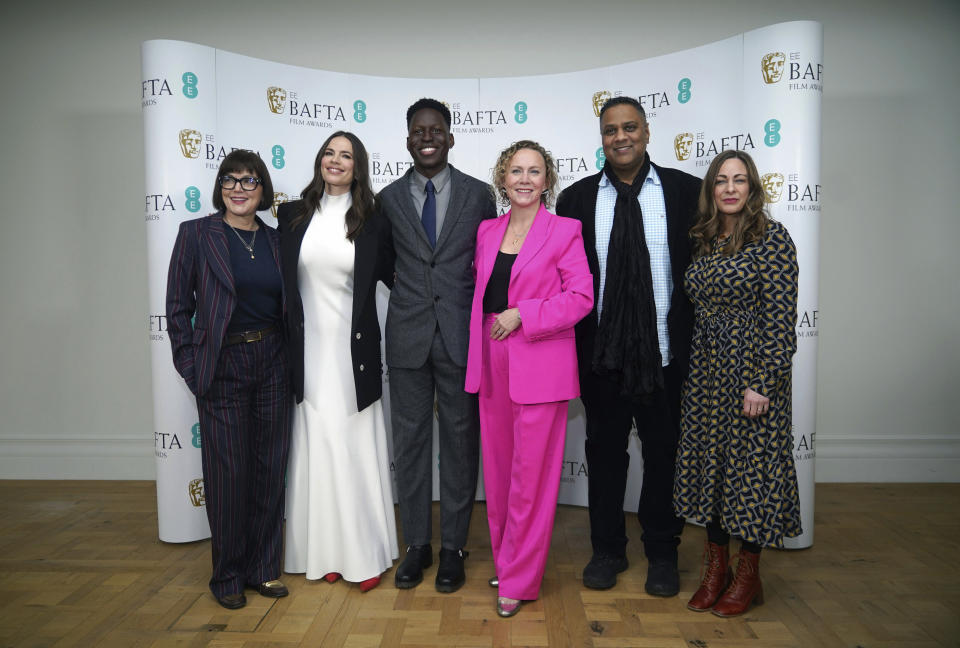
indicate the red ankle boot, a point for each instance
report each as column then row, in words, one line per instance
column 745, row 590
column 716, row 577
column 332, row 577
column 369, row 584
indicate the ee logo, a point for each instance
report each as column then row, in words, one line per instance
column 771, row 132
column 193, row 199
column 278, row 161
column 520, row 112
column 601, row 159
column 359, row 111
column 190, row 85
column 684, row 87
column 196, row 435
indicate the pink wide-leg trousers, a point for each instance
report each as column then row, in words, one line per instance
column 522, row 449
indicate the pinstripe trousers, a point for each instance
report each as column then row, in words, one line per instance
column 245, row 439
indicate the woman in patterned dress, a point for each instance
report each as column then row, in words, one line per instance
column 735, row 470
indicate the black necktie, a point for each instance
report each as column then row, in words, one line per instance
column 429, row 216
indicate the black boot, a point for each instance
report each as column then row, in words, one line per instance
column 450, row 574
column 410, row 572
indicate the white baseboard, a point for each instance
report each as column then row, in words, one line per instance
column 75, row 458
column 839, row 459
column 888, row 459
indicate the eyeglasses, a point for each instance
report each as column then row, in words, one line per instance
column 247, row 184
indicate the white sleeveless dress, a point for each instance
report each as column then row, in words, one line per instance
column 339, row 515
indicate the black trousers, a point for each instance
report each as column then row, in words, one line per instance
column 610, row 418
column 245, row 439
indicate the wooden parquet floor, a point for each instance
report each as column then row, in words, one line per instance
column 80, row 565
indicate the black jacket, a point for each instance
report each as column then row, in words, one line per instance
column 369, row 265
column 680, row 194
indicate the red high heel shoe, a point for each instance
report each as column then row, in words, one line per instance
column 332, row 577
column 369, row 584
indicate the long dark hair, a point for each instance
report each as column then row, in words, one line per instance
column 752, row 223
column 360, row 189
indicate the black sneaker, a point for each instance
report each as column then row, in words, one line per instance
column 663, row 579
column 601, row 572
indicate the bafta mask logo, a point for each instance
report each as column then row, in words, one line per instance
column 600, row 98
column 190, row 143
column 278, row 199
column 275, row 99
column 772, row 66
column 682, row 146
column 772, row 186
column 197, row 495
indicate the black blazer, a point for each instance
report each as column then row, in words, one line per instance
column 201, row 296
column 369, row 265
column 680, row 194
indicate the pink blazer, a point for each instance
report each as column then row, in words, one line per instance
column 552, row 286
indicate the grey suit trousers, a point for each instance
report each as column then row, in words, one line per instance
column 426, row 337
column 412, row 412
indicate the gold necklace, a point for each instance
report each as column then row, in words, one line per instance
column 519, row 236
column 243, row 242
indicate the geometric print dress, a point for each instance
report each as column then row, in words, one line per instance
column 731, row 468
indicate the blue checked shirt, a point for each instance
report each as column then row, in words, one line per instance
column 655, row 231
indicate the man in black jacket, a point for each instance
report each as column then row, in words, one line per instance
column 633, row 348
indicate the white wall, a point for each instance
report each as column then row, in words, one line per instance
column 75, row 394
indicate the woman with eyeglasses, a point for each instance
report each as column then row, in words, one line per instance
column 225, row 308
column 340, row 520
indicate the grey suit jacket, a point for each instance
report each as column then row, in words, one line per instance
column 433, row 287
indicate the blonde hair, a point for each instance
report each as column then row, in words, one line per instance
column 500, row 171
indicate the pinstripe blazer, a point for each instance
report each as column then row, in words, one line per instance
column 200, row 288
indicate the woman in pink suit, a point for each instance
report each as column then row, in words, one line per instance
column 533, row 285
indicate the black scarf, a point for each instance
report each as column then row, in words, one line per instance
column 627, row 350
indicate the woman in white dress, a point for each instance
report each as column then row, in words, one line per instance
column 339, row 515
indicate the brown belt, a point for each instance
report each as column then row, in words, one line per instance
column 248, row 336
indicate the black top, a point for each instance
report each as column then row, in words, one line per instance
column 257, row 282
column 495, row 296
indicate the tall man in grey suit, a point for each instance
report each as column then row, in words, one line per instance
column 433, row 212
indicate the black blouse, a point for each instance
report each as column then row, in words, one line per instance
column 495, row 296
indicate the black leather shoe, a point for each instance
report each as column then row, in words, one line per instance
column 663, row 578
column 450, row 575
column 232, row 601
column 271, row 589
column 410, row 572
column 601, row 572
